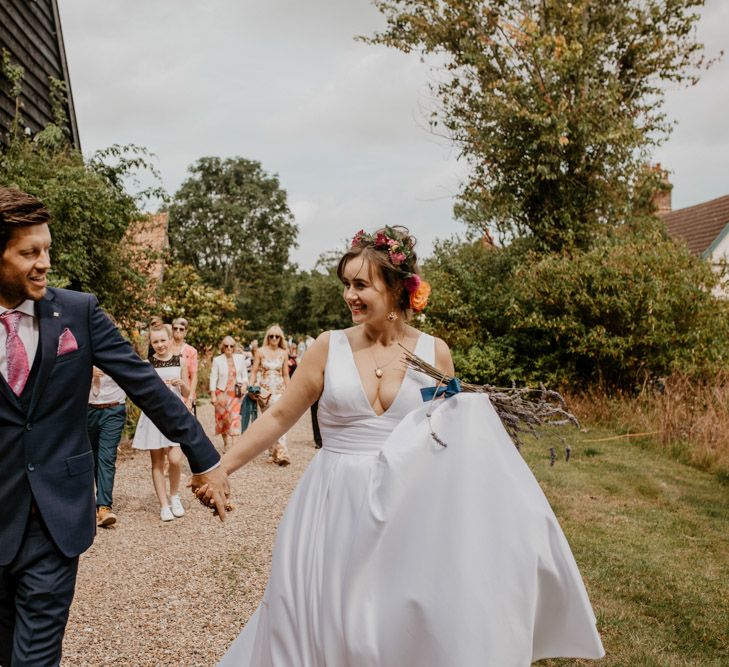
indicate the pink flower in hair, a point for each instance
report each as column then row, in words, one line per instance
column 381, row 241
column 397, row 258
column 358, row 238
column 411, row 283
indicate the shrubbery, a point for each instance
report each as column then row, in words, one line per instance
column 210, row 312
column 634, row 307
column 91, row 211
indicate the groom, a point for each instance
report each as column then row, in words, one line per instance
column 49, row 341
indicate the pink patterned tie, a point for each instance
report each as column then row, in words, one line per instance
column 15, row 352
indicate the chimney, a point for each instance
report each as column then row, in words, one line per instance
column 662, row 196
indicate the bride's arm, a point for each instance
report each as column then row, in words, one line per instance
column 304, row 388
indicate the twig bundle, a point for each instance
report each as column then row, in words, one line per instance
column 521, row 409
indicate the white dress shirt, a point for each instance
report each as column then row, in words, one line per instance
column 27, row 332
column 109, row 392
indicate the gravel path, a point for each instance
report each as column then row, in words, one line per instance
column 177, row 594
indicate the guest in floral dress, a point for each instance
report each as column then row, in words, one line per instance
column 271, row 370
column 228, row 384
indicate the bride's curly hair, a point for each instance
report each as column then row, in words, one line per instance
column 391, row 250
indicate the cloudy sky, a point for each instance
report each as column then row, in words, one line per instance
column 341, row 123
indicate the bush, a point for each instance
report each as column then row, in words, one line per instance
column 633, row 307
column 210, row 312
column 91, row 211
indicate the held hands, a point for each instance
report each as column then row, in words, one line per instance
column 212, row 490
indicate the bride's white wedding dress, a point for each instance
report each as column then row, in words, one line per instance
column 395, row 551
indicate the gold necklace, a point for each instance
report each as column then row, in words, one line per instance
column 379, row 372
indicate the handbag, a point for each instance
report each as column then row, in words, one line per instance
column 255, row 395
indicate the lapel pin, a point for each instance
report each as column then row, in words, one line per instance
column 55, row 314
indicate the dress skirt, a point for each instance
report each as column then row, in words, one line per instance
column 148, row 436
column 418, row 554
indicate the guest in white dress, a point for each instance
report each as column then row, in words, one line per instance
column 171, row 368
column 395, row 550
column 270, row 372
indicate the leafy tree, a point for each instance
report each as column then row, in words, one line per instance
column 555, row 104
column 230, row 220
column 315, row 301
column 633, row 307
column 89, row 202
column 210, row 312
column 91, row 211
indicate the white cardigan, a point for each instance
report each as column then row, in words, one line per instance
column 219, row 372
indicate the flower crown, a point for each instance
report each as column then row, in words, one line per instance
column 400, row 254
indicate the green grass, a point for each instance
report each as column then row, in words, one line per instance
column 651, row 537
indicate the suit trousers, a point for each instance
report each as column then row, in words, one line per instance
column 36, row 591
column 105, row 426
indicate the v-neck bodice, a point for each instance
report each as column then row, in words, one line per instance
column 347, row 421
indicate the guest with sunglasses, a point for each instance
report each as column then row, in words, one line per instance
column 228, row 384
column 271, row 368
column 189, row 355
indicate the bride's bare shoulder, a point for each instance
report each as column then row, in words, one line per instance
column 443, row 358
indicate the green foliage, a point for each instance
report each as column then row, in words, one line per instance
column 633, row 307
column 91, row 211
column 555, row 104
column 315, row 302
column 14, row 73
column 629, row 309
column 230, row 220
column 210, row 312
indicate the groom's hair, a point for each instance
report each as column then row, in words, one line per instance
column 19, row 209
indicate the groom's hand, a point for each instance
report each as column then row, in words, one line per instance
column 212, row 489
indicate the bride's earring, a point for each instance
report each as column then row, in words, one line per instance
column 391, row 316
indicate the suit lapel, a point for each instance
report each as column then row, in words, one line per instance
column 49, row 329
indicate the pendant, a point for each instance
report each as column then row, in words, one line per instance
column 378, row 372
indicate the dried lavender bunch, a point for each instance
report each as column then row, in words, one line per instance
column 521, row 409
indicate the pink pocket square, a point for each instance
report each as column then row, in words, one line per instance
column 66, row 343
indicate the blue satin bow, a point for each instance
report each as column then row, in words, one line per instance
column 448, row 390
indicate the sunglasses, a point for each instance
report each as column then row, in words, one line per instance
column 274, row 336
column 231, row 347
column 178, row 328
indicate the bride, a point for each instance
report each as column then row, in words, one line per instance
column 395, row 550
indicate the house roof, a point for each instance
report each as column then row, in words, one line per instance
column 699, row 226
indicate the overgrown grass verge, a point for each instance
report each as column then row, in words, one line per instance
column 651, row 537
column 686, row 419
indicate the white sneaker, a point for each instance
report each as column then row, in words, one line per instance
column 166, row 514
column 177, row 509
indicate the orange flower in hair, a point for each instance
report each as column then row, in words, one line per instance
column 419, row 297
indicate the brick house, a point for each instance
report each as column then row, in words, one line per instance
column 148, row 240
column 704, row 227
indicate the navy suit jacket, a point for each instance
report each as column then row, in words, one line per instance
column 45, row 452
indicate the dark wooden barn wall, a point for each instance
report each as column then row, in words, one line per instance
column 30, row 30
